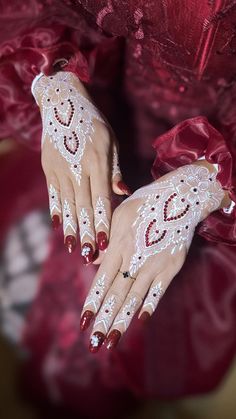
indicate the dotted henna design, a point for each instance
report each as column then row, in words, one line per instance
column 54, row 203
column 95, row 297
column 100, row 215
column 153, row 298
column 124, row 318
column 67, row 117
column 68, row 220
column 171, row 211
column 85, row 225
column 105, row 315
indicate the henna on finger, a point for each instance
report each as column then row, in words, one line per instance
column 54, row 206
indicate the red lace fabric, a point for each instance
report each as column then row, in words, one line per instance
column 151, row 66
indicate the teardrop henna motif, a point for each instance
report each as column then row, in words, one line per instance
column 58, row 116
column 148, row 241
column 71, row 143
column 165, row 209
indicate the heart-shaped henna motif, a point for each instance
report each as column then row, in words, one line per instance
column 152, row 232
column 71, row 114
column 166, row 205
column 71, row 143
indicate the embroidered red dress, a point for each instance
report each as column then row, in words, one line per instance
column 164, row 73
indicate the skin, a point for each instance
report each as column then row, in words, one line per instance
column 97, row 180
column 158, row 269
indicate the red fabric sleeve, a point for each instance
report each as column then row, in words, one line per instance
column 33, row 37
column 187, row 142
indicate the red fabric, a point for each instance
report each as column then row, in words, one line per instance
column 150, row 65
column 187, row 142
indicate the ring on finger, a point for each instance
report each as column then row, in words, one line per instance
column 126, row 274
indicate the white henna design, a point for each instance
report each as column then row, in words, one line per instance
column 171, row 211
column 85, row 225
column 153, row 298
column 95, row 297
column 54, row 203
column 100, row 214
column 68, row 221
column 115, row 165
column 105, row 315
column 67, row 117
column 125, row 316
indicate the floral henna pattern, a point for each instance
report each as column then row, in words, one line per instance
column 171, row 211
column 68, row 220
column 154, row 295
column 85, row 225
column 95, row 297
column 67, row 117
column 54, row 203
column 100, row 215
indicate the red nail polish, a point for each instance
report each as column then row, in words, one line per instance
column 102, row 240
column 55, row 222
column 144, row 316
column 113, row 339
column 96, row 342
column 87, row 253
column 124, row 188
column 86, row 320
column 70, row 243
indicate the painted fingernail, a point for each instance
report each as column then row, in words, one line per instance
column 102, row 240
column 87, row 253
column 70, row 243
column 55, row 222
column 86, row 320
column 144, row 316
column 113, row 339
column 96, row 342
column 124, row 188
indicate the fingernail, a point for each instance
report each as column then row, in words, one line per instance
column 96, row 342
column 113, row 339
column 86, row 320
column 102, row 240
column 124, row 188
column 55, row 222
column 87, row 253
column 70, row 243
column 144, row 316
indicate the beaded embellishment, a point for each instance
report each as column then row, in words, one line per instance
column 171, row 211
column 67, row 117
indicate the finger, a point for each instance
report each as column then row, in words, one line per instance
column 101, row 193
column 130, row 306
column 101, row 283
column 109, row 309
column 69, row 214
column 85, row 217
column 155, row 293
column 54, row 202
column 118, row 186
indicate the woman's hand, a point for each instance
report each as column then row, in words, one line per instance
column 150, row 236
column 80, row 161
